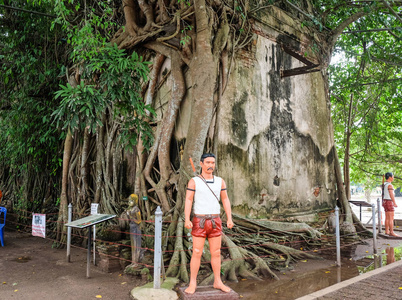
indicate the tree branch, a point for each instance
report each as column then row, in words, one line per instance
column 338, row 30
column 392, row 11
column 203, row 33
column 373, row 30
column 148, row 12
column 28, row 11
column 304, row 13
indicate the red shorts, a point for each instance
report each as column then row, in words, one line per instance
column 388, row 205
column 208, row 230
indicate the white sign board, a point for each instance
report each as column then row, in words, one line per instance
column 94, row 208
column 39, row 225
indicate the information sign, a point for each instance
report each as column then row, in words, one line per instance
column 94, row 208
column 90, row 220
column 39, row 225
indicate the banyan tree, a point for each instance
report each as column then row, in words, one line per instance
column 246, row 80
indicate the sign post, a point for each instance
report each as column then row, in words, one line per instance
column 158, row 248
column 94, row 211
column 70, row 214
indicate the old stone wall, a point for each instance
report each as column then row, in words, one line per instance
column 276, row 137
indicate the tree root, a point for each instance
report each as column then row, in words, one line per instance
column 238, row 264
column 294, row 253
column 178, row 263
column 360, row 227
column 265, row 252
column 278, row 227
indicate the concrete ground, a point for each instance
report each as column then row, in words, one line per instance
column 382, row 283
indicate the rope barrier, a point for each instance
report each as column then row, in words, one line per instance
column 251, row 234
column 183, row 236
column 204, row 262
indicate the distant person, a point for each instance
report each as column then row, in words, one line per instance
column 389, row 204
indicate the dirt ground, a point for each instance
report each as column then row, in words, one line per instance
column 31, row 269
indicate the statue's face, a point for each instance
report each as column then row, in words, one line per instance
column 133, row 200
column 208, row 165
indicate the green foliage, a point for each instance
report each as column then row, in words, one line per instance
column 91, row 31
column 368, row 82
column 110, row 82
column 29, row 65
column 109, row 77
column 185, row 37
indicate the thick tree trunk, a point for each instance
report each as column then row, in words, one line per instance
column 63, row 211
column 100, row 156
column 347, row 216
column 204, row 73
column 83, row 184
column 346, row 163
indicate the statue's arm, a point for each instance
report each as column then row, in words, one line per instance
column 226, row 205
column 189, row 203
column 137, row 219
column 123, row 221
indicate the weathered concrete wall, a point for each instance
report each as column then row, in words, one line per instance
column 276, row 137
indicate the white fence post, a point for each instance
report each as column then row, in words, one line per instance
column 158, row 248
column 338, row 238
column 70, row 215
column 374, row 229
column 379, row 215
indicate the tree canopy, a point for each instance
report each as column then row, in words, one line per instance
column 366, row 86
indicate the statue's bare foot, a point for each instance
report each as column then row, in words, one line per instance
column 191, row 289
column 393, row 234
column 222, row 287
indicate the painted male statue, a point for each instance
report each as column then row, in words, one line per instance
column 205, row 191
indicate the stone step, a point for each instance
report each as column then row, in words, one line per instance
column 208, row 292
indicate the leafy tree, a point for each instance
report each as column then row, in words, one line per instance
column 30, row 62
column 102, row 97
column 365, row 92
column 110, row 81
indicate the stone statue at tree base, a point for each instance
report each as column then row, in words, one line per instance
column 131, row 218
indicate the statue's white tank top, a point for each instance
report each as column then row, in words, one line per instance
column 204, row 201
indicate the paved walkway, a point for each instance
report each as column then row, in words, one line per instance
column 383, row 283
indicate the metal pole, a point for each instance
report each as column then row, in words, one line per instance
column 338, row 239
column 158, row 248
column 379, row 215
column 374, row 229
column 70, row 214
column 89, row 252
column 94, row 211
column 94, row 247
column 338, row 275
